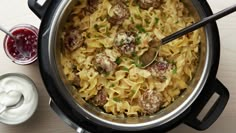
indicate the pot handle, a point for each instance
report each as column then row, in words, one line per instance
column 39, row 9
column 214, row 111
column 65, row 119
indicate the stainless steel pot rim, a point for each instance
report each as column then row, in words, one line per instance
column 124, row 126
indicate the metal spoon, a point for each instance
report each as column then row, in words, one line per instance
column 19, row 103
column 7, row 32
column 150, row 56
column 17, row 41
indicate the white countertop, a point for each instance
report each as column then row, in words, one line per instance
column 14, row 12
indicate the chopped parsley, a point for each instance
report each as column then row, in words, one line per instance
column 133, row 92
column 121, row 42
column 107, row 32
column 164, row 78
column 134, row 54
column 118, row 61
column 172, row 62
column 156, row 20
column 116, row 99
column 101, row 44
column 112, row 85
column 140, row 28
column 101, row 18
column 88, row 35
column 132, row 19
column 106, row 74
column 125, row 69
column 174, row 71
column 136, row 60
column 138, row 64
column 162, row 29
column 96, row 27
column 147, row 21
column 138, row 40
column 137, row 16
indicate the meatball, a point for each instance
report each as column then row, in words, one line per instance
column 92, row 5
column 146, row 4
column 113, row 2
column 118, row 13
column 100, row 99
column 76, row 79
column 76, row 82
column 181, row 9
column 150, row 101
column 104, row 62
column 159, row 68
column 73, row 40
column 128, row 49
column 125, row 41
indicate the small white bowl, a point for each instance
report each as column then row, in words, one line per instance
column 29, row 91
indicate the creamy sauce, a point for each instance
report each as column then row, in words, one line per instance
column 123, row 38
column 11, row 88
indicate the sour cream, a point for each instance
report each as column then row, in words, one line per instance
column 12, row 86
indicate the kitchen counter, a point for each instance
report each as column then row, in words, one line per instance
column 44, row 120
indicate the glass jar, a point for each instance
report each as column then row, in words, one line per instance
column 23, row 49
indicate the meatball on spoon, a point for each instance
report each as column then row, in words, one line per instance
column 150, row 56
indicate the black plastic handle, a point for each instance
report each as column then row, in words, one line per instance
column 199, row 24
column 201, row 102
column 38, row 9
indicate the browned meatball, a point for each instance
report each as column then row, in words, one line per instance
column 92, row 5
column 159, row 68
column 150, row 101
column 119, row 12
column 146, row 4
column 73, row 40
column 128, row 49
column 113, row 2
column 76, row 82
column 104, row 62
column 181, row 9
column 100, row 99
column 125, row 41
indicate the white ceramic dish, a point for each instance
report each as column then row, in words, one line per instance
column 26, row 86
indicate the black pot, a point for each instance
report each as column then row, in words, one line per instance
column 51, row 14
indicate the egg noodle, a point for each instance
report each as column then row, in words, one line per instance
column 128, row 81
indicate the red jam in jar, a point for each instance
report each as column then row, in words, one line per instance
column 23, row 49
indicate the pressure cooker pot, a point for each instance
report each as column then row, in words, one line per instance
column 82, row 116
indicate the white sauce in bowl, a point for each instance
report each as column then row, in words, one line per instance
column 11, row 88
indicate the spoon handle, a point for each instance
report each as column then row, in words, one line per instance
column 6, row 31
column 199, row 24
column 3, row 109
